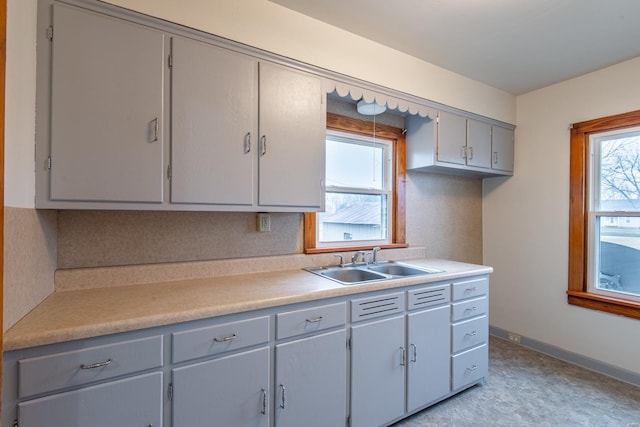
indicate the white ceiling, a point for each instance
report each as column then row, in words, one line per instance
column 513, row 45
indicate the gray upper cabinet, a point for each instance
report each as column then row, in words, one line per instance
column 214, row 107
column 455, row 144
column 292, row 138
column 107, row 85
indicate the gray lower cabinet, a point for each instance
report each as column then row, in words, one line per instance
column 311, row 381
column 228, row 391
column 428, row 366
column 135, row 401
column 101, row 148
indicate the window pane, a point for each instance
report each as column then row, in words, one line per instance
column 350, row 216
column 355, row 165
column 620, row 173
column 619, row 254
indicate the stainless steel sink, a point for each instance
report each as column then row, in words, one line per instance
column 354, row 275
column 393, row 268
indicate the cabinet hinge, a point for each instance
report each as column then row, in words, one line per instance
column 49, row 163
column 169, row 172
column 170, row 61
column 50, row 32
column 170, row 391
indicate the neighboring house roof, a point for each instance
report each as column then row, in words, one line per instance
column 363, row 214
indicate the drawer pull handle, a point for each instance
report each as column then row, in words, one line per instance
column 403, row 359
column 467, row 310
column 96, row 365
column 472, row 368
column 314, row 319
column 471, row 334
column 282, row 396
column 264, row 402
column 225, row 339
column 414, row 353
column 469, row 290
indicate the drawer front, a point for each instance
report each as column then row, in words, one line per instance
column 210, row 340
column 378, row 306
column 470, row 366
column 430, row 296
column 468, row 308
column 135, row 401
column 469, row 333
column 312, row 319
column 470, row 288
column 56, row 371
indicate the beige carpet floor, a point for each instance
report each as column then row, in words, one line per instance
column 527, row 388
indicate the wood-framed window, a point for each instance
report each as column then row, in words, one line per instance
column 604, row 215
column 390, row 138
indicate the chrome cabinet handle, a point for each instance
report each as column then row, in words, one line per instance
column 224, row 339
column 466, row 310
column 96, row 365
column 314, row 319
column 263, row 145
column 282, row 396
column 403, row 360
column 471, row 334
column 247, row 143
column 470, row 151
column 155, row 130
column 472, row 368
column 463, row 152
column 264, row 402
column 414, row 353
column 495, row 157
column 469, row 290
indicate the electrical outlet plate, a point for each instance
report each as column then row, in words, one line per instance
column 514, row 338
column 263, row 222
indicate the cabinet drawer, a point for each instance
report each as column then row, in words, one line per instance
column 56, row 371
column 378, row 306
column 311, row 319
column 470, row 366
column 470, row 288
column 426, row 297
column 469, row 333
column 468, row 308
column 135, row 401
column 217, row 339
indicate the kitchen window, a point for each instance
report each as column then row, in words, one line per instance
column 604, row 223
column 365, row 179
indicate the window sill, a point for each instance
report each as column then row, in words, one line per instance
column 607, row 304
column 353, row 248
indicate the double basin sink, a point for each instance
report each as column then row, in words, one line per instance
column 354, row 274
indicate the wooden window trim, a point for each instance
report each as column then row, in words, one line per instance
column 577, row 292
column 398, row 232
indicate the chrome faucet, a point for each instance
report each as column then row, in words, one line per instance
column 374, row 258
column 354, row 258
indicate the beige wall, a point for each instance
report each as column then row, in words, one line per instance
column 526, row 221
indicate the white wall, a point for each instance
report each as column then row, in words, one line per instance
column 20, row 104
column 526, row 220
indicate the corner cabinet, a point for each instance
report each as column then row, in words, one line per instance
column 136, row 118
column 455, row 144
column 107, row 110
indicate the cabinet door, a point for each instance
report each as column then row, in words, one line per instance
column 429, row 344
column 452, row 138
column 229, row 391
column 311, row 381
column 214, row 108
column 106, row 109
column 377, row 372
column 478, row 144
column 134, row 401
column 292, row 144
column 502, row 146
